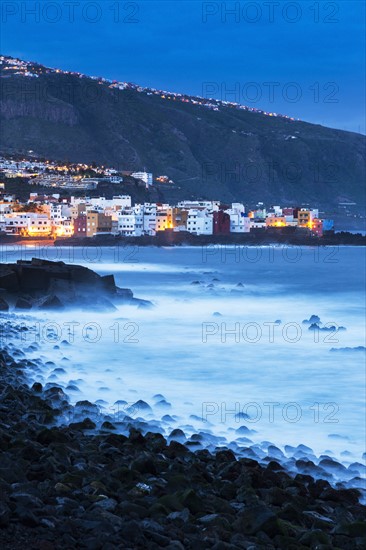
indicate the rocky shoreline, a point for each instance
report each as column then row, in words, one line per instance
column 81, row 485
column 254, row 238
column 183, row 238
column 53, row 285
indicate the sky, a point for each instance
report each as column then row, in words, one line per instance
column 303, row 58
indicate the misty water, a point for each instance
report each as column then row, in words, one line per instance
column 225, row 339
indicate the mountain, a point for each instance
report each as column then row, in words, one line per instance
column 210, row 149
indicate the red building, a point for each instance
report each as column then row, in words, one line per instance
column 317, row 227
column 221, row 223
column 80, row 226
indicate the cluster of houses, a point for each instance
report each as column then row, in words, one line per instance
column 12, row 66
column 68, row 176
column 54, row 216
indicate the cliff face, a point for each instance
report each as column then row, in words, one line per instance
column 57, row 113
column 228, row 154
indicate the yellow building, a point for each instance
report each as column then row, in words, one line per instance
column 276, row 221
column 303, row 218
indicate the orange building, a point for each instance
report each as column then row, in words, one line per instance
column 97, row 223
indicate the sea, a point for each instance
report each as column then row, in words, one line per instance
column 243, row 345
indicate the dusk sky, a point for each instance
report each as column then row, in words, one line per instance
column 305, row 59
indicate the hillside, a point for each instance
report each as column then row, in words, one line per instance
column 210, row 151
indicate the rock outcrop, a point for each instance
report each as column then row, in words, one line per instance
column 46, row 285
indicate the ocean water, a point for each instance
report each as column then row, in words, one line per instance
column 225, row 343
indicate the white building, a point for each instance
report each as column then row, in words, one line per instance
column 200, row 222
column 239, row 222
column 5, row 208
column 130, row 222
column 146, row 177
column 277, row 210
column 199, row 205
column 26, row 222
column 257, row 223
column 149, row 219
column 141, row 219
column 116, row 203
column 60, row 212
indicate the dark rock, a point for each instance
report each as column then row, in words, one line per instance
column 257, row 518
column 4, row 514
column 163, row 404
column 108, row 504
column 23, row 303
column 225, row 456
column 142, row 304
column 124, row 294
column 243, row 429
column 50, row 303
column 176, row 449
column 349, row 496
column 53, row 285
column 86, row 424
column 108, row 283
column 53, row 435
column 108, row 425
column 66, row 488
column 144, row 465
column 155, row 441
column 178, row 435
column 315, row 538
column 311, row 320
column 4, row 306
column 191, row 500
column 8, row 278
column 26, row 517
column 140, row 407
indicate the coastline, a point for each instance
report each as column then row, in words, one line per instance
column 82, row 484
column 168, row 238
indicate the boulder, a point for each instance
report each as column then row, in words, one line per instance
column 33, row 278
column 257, row 518
column 8, row 279
column 123, row 295
column 52, row 285
column 62, row 287
column 23, row 303
column 50, row 302
column 108, row 284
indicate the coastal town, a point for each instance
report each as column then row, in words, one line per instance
column 73, row 212
column 182, row 275
column 54, row 216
